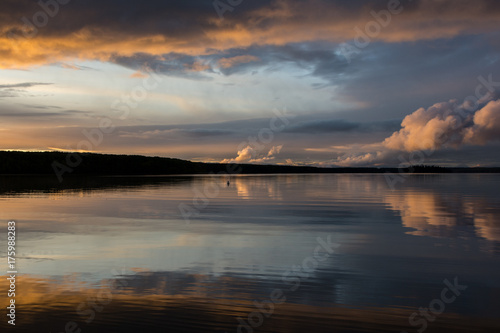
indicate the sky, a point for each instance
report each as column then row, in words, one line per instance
column 304, row 82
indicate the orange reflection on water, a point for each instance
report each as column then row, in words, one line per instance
column 122, row 305
column 433, row 214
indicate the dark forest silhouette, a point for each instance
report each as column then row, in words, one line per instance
column 14, row 162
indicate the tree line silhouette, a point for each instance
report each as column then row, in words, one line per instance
column 15, row 162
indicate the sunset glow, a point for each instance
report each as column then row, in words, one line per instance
column 379, row 79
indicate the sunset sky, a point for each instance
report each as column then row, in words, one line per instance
column 356, row 83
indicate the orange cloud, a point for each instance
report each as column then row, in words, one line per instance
column 486, row 124
column 230, row 62
column 83, row 36
column 138, row 75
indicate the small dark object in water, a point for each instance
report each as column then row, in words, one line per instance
column 228, row 183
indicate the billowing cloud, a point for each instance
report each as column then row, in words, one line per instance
column 443, row 125
column 274, row 151
column 447, row 124
column 440, row 125
column 362, row 159
column 486, row 125
column 244, row 155
column 250, row 154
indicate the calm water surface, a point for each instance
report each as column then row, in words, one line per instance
column 280, row 253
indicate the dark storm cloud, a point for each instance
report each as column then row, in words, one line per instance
column 204, row 132
column 341, row 125
column 313, row 56
column 323, row 126
column 160, row 133
column 127, row 16
column 393, row 79
column 234, row 130
column 242, row 129
column 386, row 73
column 319, row 58
column 173, row 64
column 101, row 30
column 172, row 16
column 432, row 51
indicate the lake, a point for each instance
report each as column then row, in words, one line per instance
column 262, row 253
